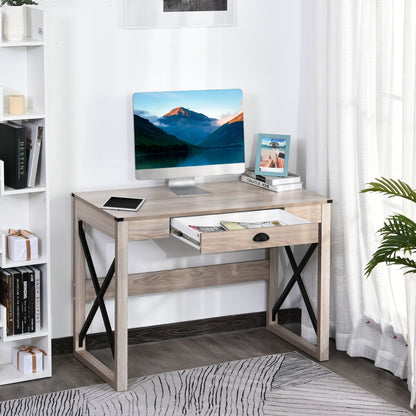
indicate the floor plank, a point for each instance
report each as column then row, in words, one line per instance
column 162, row 356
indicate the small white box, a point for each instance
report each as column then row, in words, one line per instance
column 27, row 359
column 22, row 246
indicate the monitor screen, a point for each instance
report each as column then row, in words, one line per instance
column 188, row 133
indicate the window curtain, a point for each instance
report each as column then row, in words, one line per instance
column 358, row 122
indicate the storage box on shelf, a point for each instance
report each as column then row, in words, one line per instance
column 22, row 72
column 9, row 373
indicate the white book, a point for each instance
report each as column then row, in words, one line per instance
column 34, row 136
column 37, row 298
column 274, row 188
column 274, row 180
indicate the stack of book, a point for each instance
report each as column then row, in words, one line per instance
column 272, row 183
column 20, row 295
column 20, row 150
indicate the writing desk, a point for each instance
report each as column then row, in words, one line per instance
column 152, row 221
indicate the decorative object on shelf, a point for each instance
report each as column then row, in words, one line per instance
column 16, row 104
column 272, row 155
column 179, row 13
column 14, row 19
column 22, row 245
column 28, row 359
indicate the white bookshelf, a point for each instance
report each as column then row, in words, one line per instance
column 22, row 71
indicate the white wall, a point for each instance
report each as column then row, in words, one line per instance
column 94, row 65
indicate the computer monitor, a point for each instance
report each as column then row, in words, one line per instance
column 180, row 135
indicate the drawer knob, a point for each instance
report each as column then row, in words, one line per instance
column 261, row 237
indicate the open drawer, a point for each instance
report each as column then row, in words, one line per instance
column 249, row 230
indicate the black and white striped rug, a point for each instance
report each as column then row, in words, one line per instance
column 284, row 384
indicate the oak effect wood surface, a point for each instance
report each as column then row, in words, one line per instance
column 234, row 196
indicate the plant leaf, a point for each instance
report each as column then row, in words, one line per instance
column 391, row 188
column 398, row 238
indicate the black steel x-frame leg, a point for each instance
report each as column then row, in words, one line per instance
column 297, row 270
column 99, row 291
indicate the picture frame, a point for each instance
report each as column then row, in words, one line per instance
column 272, row 157
column 141, row 14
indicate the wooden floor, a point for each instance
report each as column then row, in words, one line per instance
column 155, row 357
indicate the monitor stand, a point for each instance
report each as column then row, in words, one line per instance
column 185, row 187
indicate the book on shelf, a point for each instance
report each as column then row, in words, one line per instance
column 37, row 272
column 24, row 299
column 34, row 138
column 6, row 298
column 273, row 180
column 20, row 294
column 28, row 307
column 13, row 154
column 274, row 188
column 17, row 301
column 31, row 306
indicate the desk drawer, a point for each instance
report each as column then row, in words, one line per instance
column 291, row 231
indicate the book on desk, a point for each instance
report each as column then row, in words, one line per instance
column 282, row 187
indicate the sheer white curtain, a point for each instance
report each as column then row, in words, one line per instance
column 358, row 122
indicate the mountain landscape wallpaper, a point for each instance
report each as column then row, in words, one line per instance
column 188, row 128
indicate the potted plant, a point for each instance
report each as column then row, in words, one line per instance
column 14, row 22
column 398, row 234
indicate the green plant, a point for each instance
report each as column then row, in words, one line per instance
column 398, row 234
column 17, row 2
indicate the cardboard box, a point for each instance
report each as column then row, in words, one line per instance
column 22, row 245
column 27, row 359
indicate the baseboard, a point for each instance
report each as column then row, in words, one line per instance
column 181, row 329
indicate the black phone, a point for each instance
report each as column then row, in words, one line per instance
column 123, row 203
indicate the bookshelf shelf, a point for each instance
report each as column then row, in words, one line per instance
column 22, row 71
column 29, row 115
column 11, row 374
column 7, row 263
column 27, row 42
column 24, row 337
column 11, row 191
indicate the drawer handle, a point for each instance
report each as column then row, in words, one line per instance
column 261, row 237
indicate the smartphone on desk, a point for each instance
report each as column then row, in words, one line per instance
column 123, row 203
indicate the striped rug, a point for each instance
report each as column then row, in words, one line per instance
column 284, row 384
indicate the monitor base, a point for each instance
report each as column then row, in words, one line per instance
column 185, row 187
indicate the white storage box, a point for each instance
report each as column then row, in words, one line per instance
column 22, row 245
column 27, row 359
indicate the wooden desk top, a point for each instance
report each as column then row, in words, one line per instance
column 233, row 196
